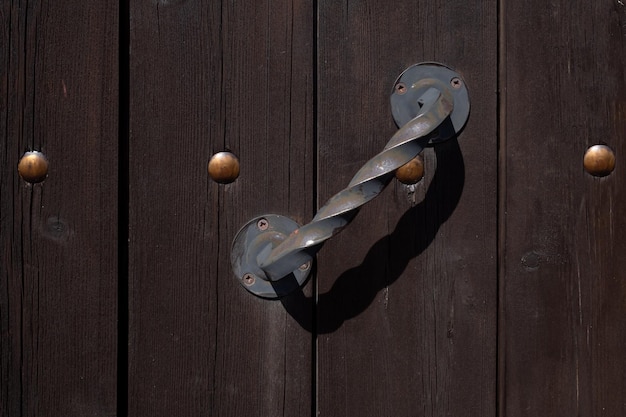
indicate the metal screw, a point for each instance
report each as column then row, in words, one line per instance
column 455, row 82
column 400, row 88
column 248, row 279
column 262, row 224
column 305, row 266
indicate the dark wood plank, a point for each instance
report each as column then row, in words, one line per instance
column 206, row 76
column 407, row 292
column 564, row 287
column 58, row 239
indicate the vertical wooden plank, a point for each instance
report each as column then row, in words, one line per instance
column 58, row 239
column 204, row 77
column 564, row 285
column 407, row 292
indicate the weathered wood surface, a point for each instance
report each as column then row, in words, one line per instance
column 58, row 239
column 407, row 292
column 204, row 77
column 563, row 327
column 405, row 311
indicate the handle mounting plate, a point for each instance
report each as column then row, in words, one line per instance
column 254, row 241
column 415, row 81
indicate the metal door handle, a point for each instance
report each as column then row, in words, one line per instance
column 271, row 256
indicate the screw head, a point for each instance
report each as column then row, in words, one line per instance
column 262, row 224
column 248, row 279
column 305, row 266
column 400, row 88
column 456, row 83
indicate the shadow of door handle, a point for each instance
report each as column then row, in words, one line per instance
column 271, row 255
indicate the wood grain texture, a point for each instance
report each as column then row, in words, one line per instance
column 204, row 77
column 58, row 239
column 407, row 292
column 564, row 286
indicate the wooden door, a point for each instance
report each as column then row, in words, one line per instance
column 492, row 287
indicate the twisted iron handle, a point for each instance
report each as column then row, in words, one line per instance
column 299, row 247
column 271, row 255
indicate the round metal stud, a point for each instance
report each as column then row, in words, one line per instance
column 599, row 160
column 254, row 241
column 224, row 167
column 33, row 167
column 415, row 81
column 411, row 172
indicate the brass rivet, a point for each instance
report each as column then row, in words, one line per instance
column 224, row 167
column 599, row 160
column 411, row 172
column 33, row 167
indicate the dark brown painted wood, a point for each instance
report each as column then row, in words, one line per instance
column 564, row 328
column 204, row 77
column 405, row 317
column 58, row 239
column 407, row 292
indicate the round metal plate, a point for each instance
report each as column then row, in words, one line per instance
column 415, row 81
column 255, row 240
